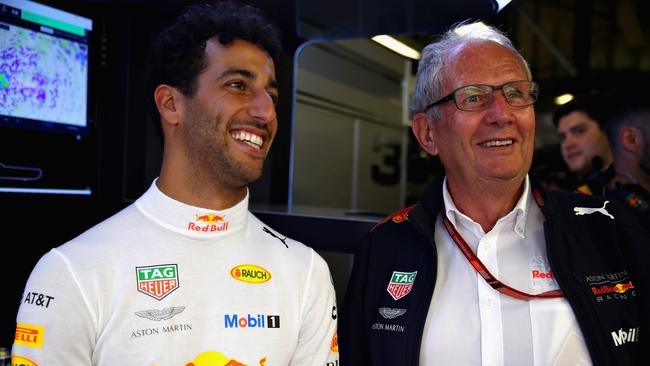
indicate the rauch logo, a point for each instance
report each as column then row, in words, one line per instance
column 157, row 281
column 250, row 273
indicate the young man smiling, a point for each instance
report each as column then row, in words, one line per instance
column 187, row 275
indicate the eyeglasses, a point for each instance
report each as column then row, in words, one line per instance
column 472, row 98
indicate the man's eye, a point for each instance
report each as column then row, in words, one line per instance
column 514, row 94
column 475, row 98
column 237, row 85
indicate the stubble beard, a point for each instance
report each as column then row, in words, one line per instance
column 208, row 146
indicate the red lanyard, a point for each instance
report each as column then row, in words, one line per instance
column 482, row 269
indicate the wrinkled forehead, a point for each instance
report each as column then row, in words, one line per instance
column 482, row 62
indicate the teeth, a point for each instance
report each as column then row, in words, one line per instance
column 249, row 138
column 497, row 143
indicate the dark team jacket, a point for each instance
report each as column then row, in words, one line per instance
column 632, row 195
column 601, row 265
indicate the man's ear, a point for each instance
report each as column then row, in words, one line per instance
column 630, row 139
column 423, row 131
column 169, row 102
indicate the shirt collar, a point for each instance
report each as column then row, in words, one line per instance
column 192, row 221
column 520, row 210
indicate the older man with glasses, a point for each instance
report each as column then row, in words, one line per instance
column 488, row 267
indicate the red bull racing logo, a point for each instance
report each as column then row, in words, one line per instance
column 619, row 288
column 208, row 223
column 157, row 281
column 401, row 284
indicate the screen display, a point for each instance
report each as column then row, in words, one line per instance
column 46, row 142
column 43, row 67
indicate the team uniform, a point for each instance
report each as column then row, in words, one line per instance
column 631, row 194
column 594, row 252
column 163, row 283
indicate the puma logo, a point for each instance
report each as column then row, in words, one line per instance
column 590, row 210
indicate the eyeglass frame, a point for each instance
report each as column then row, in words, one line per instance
column 452, row 96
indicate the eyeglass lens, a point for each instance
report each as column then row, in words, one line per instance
column 479, row 97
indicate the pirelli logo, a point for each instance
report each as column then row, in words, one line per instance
column 29, row 335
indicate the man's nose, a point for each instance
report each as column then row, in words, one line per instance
column 499, row 111
column 262, row 107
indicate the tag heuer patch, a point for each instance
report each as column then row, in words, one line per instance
column 157, row 281
column 401, row 284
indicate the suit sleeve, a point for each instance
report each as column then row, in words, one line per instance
column 353, row 336
column 54, row 325
column 317, row 341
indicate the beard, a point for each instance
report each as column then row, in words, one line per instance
column 206, row 139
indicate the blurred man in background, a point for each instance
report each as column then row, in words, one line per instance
column 583, row 138
column 628, row 178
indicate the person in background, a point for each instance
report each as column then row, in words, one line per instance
column 187, row 275
column 489, row 267
column 580, row 125
column 628, row 178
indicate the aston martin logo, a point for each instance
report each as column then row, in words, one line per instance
column 158, row 315
column 390, row 313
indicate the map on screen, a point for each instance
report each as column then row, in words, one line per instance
column 42, row 77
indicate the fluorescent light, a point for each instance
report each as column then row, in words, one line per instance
column 563, row 99
column 477, row 27
column 396, row 46
column 502, row 4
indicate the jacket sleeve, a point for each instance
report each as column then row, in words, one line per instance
column 54, row 324
column 636, row 248
column 353, row 338
column 317, row 341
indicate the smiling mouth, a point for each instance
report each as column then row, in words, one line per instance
column 496, row 143
column 250, row 139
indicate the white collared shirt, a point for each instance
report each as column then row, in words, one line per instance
column 470, row 323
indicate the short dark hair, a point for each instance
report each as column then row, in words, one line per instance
column 634, row 114
column 593, row 106
column 177, row 56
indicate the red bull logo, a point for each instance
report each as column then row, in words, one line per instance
column 214, row 358
column 540, row 274
column 157, row 281
column 210, row 218
column 208, row 223
column 401, row 284
column 619, row 288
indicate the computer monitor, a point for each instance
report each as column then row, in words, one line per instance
column 44, row 99
column 43, row 67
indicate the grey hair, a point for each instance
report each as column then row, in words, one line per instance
column 431, row 67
